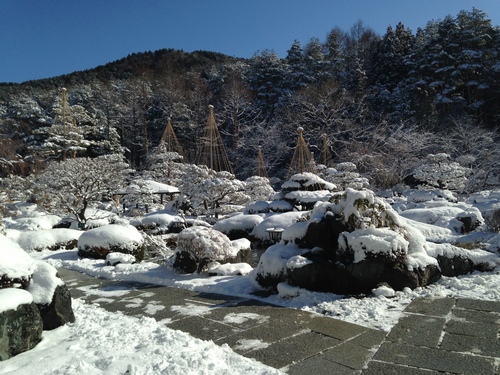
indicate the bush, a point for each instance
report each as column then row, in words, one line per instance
column 203, row 245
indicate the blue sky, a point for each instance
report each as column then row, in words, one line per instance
column 41, row 39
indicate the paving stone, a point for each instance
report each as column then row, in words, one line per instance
column 420, row 330
column 382, row 368
column 475, row 329
column 477, row 345
column 432, row 307
column 202, row 328
column 335, row 328
column 293, row 349
column 318, row 365
column 350, row 355
column 433, row 359
column 472, row 304
column 476, row 316
column 369, row 339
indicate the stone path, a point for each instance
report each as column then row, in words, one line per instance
column 433, row 336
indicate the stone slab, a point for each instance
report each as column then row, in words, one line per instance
column 472, row 304
column 318, row 365
column 293, row 349
column 467, row 344
column 421, row 330
column 433, row 359
column 349, row 355
column 431, row 307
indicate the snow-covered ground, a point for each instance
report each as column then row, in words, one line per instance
column 102, row 342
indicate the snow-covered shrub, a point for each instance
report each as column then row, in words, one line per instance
column 48, row 239
column 202, row 245
column 99, row 242
column 280, row 206
column 258, row 207
column 237, row 226
column 307, row 181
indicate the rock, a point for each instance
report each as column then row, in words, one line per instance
column 454, row 266
column 59, row 311
column 469, row 224
column 243, row 256
column 323, row 275
column 324, row 234
column 20, row 330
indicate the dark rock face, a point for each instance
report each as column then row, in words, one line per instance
column 469, row 224
column 324, row 234
column 324, row 275
column 7, row 282
column 20, row 330
column 455, row 266
column 59, row 311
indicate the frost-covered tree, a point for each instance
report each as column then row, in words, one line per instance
column 73, row 185
column 438, row 171
column 345, row 175
column 258, row 188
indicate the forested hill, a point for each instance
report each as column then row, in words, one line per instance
column 383, row 102
column 156, row 64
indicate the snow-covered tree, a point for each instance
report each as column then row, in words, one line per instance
column 345, row 175
column 438, row 171
column 73, row 185
column 258, row 188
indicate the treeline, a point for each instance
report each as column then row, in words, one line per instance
column 381, row 101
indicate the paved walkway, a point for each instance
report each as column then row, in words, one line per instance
column 433, row 336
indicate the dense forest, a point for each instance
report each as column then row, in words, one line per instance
column 382, row 102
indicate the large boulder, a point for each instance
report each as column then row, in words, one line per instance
column 20, row 323
column 32, row 298
column 59, row 311
column 357, row 241
column 318, row 273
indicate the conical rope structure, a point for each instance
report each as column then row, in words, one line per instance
column 302, row 160
column 169, row 141
column 211, row 150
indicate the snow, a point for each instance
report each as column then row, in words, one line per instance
column 43, row 283
column 144, row 346
column 12, row 298
column 275, row 221
column 240, row 222
column 45, row 238
column 100, row 342
column 119, row 258
column 125, row 236
column 14, row 262
column 374, row 241
column 229, row 269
